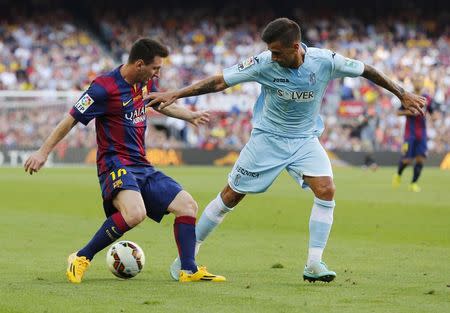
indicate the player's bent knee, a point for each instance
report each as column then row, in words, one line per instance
column 326, row 192
column 329, row 191
column 183, row 205
column 191, row 208
column 134, row 214
column 131, row 205
column 407, row 161
column 420, row 160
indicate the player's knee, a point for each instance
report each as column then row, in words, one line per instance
column 326, row 191
column 183, row 205
column 231, row 198
column 191, row 207
column 407, row 161
column 187, row 208
column 420, row 160
column 231, row 201
column 135, row 214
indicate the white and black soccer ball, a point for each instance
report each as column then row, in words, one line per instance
column 125, row 259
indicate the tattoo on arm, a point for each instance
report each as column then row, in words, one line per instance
column 382, row 80
column 207, row 85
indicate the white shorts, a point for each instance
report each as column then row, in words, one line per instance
column 265, row 155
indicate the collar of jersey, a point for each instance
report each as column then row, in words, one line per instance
column 121, row 79
column 304, row 46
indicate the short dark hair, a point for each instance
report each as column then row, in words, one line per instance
column 146, row 49
column 282, row 29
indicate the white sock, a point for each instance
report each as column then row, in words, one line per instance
column 319, row 228
column 314, row 255
column 211, row 217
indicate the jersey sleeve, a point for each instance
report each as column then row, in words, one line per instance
column 345, row 67
column 245, row 71
column 91, row 104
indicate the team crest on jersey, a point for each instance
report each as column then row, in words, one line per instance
column 312, row 78
column 117, row 184
column 84, row 102
column 237, row 180
column 246, row 63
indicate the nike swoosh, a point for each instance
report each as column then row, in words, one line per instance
column 125, row 103
column 114, row 230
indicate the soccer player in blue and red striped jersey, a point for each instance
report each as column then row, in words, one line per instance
column 415, row 146
column 131, row 187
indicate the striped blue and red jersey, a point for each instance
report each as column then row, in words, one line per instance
column 416, row 126
column 120, row 119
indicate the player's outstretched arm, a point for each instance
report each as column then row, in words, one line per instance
column 38, row 158
column 412, row 102
column 177, row 111
column 211, row 84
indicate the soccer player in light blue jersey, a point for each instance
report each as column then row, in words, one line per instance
column 286, row 127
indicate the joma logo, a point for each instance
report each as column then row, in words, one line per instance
column 281, row 80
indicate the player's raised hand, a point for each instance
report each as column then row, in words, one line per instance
column 35, row 161
column 199, row 118
column 162, row 99
column 414, row 103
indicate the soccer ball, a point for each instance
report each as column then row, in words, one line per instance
column 125, row 259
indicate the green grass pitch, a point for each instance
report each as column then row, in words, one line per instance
column 390, row 249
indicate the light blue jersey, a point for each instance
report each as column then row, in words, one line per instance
column 290, row 99
column 286, row 118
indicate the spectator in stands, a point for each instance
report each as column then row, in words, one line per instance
column 51, row 51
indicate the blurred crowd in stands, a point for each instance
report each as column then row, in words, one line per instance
column 56, row 51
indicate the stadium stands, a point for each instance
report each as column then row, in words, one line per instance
column 60, row 51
